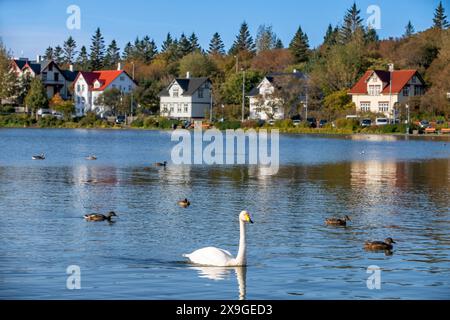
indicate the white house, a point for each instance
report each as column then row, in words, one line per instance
column 265, row 104
column 54, row 79
column 379, row 91
column 188, row 98
column 89, row 85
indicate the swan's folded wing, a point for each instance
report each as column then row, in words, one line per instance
column 210, row 256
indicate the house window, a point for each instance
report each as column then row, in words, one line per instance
column 414, row 79
column 78, row 88
column 78, row 100
column 383, row 106
column 175, row 92
column 365, row 106
column 374, row 90
column 200, row 92
column 82, row 88
column 186, row 108
column 171, row 109
column 44, row 76
column 56, row 76
column 122, row 78
column 50, row 67
column 406, row 91
column 114, row 86
column 418, row 90
column 129, row 88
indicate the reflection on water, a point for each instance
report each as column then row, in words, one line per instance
column 222, row 273
column 397, row 189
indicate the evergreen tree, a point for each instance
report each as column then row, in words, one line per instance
column 193, row 40
column 167, row 44
column 299, row 46
column 352, row 22
column 148, row 49
column 409, row 30
column 58, row 55
column 48, row 55
column 440, row 19
column 371, row 35
column 127, row 51
column 69, row 50
column 184, row 45
column 244, row 41
column 112, row 56
column 97, row 50
column 279, row 44
column 216, row 45
column 331, row 36
column 266, row 39
column 83, row 60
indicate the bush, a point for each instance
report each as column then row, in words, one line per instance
column 283, row 124
column 344, row 123
column 228, row 125
column 16, row 120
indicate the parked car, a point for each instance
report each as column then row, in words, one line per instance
column 296, row 122
column 381, row 121
column 58, row 115
column 120, row 119
column 366, row 123
column 438, row 122
column 312, row 122
column 322, row 123
column 424, row 124
column 46, row 114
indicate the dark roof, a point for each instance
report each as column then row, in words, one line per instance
column 189, row 86
column 36, row 67
column 70, row 75
column 273, row 76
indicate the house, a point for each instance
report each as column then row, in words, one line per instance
column 188, row 98
column 88, row 86
column 266, row 103
column 54, row 79
column 380, row 91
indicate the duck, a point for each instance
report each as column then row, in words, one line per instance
column 184, row 203
column 91, row 157
column 100, row 217
column 337, row 221
column 38, row 157
column 161, row 164
column 379, row 245
column 215, row 257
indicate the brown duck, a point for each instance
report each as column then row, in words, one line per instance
column 379, row 245
column 184, row 203
column 337, row 221
column 100, row 217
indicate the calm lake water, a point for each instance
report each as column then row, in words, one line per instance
column 397, row 188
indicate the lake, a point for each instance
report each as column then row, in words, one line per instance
column 390, row 186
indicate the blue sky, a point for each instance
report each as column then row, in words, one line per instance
column 27, row 27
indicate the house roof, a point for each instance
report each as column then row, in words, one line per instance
column 105, row 77
column 271, row 77
column 399, row 79
column 70, row 75
column 189, row 85
column 35, row 66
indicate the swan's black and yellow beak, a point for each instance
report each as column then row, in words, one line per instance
column 250, row 220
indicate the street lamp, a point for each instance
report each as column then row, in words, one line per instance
column 132, row 93
column 407, row 111
column 243, row 94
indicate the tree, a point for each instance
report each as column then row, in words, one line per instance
column 440, row 19
column 336, row 103
column 37, row 96
column 97, row 50
column 67, row 108
column 184, row 45
column 58, row 55
column 279, row 44
column 266, row 39
column 147, row 95
column 148, row 49
column 193, row 40
column 244, row 41
column 112, row 56
column 8, row 78
column 331, row 36
column 216, row 46
column 115, row 100
column 352, row 22
column 69, row 50
column 299, row 46
column 48, row 55
column 127, row 51
column 83, row 60
column 167, row 44
column 409, row 30
column 231, row 90
column 371, row 35
column 198, row 64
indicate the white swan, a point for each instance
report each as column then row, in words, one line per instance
column 211, row 256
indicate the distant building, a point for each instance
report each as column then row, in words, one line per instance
column 89, row 85
column 379, row 91
column 265, row 105
column 54, row 79
column 188, row 98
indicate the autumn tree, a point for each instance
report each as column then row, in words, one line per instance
column 198, row 64
column 8, row 78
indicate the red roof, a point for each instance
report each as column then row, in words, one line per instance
column 399, row 79
column 105, row 77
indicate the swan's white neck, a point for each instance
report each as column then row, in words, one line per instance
column 241, row 258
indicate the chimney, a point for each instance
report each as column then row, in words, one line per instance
column 188, row 75
column 71, row 68
column 391, row 67
column 38, row 58
column 119, row 66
